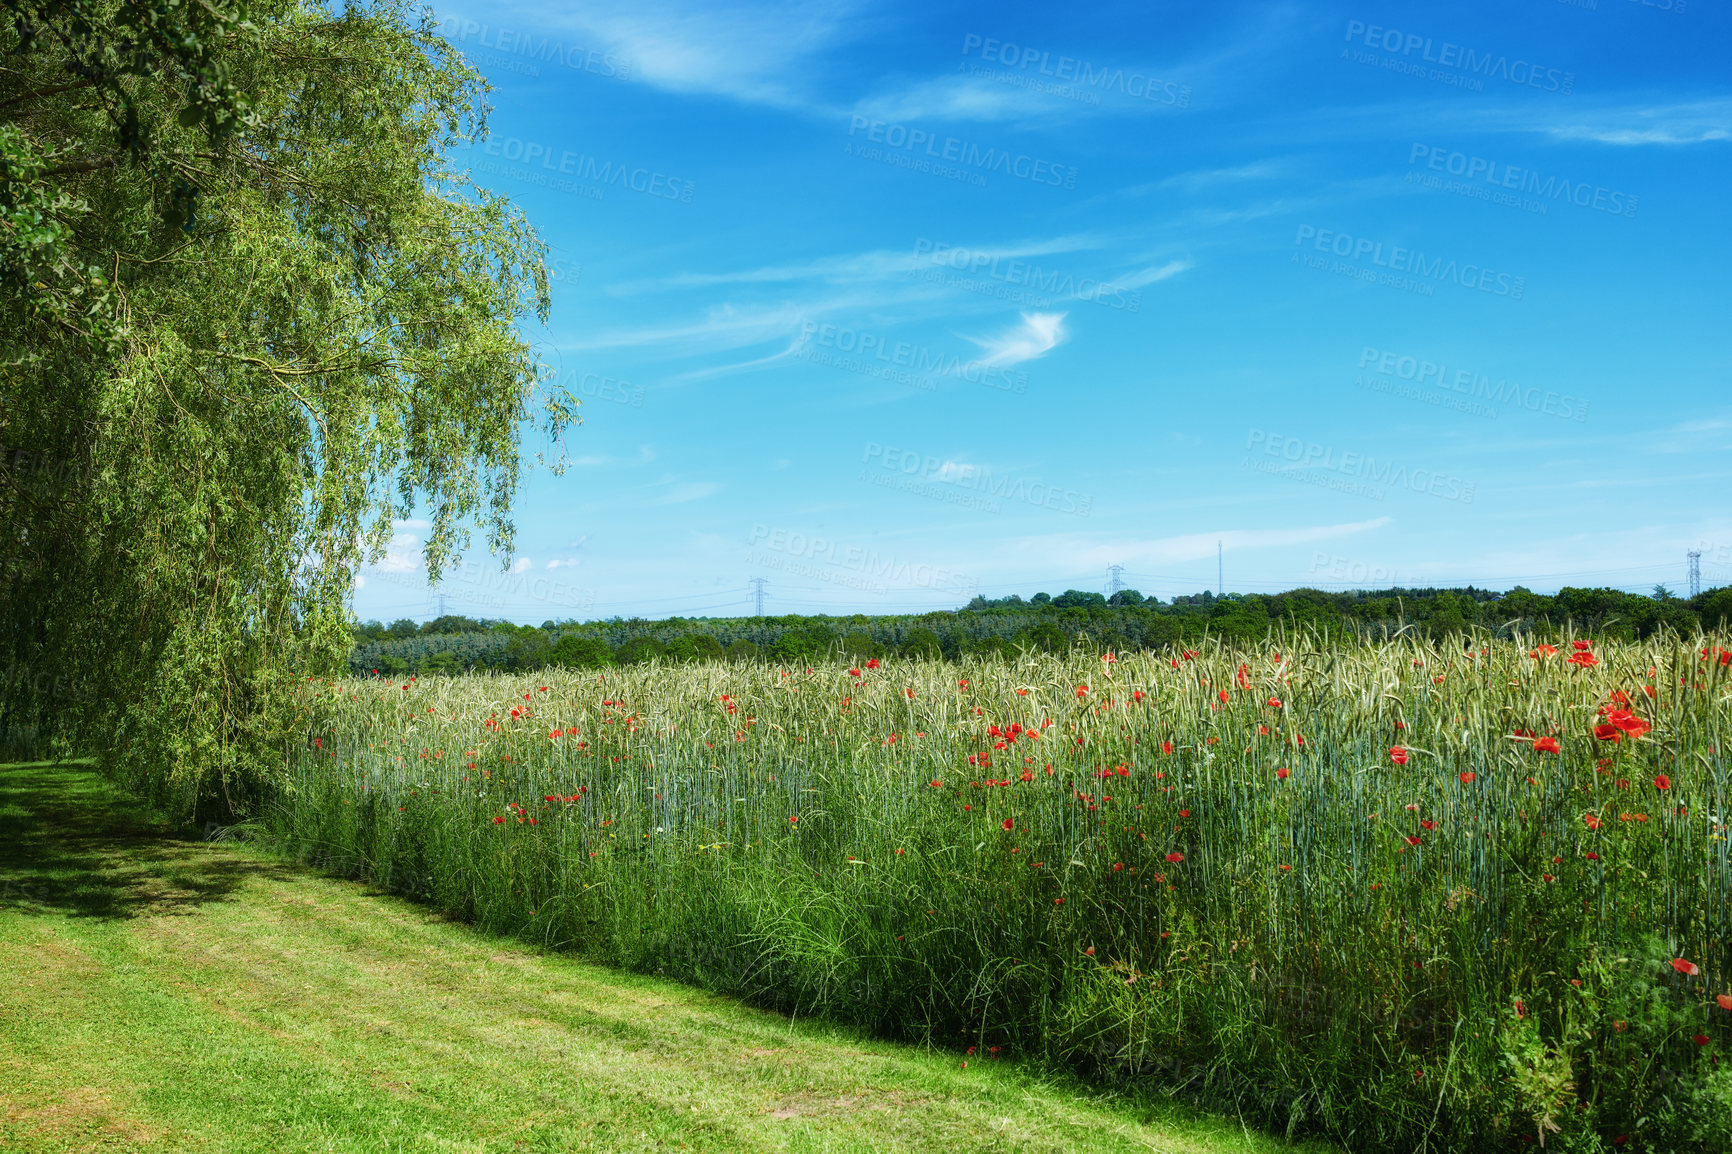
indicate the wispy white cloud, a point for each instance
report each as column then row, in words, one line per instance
column 1697, row 122
column 1036, row 336
column 645, row 455
column 1153, row 275
column 960, row 97
column 679, row 492
column 725, row 326
column 759, row 53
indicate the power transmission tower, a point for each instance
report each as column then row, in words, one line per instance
column 757, row 584
column 441, row 603
column 1695, row 556
column 1114, row 584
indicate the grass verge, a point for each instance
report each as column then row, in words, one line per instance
column 158, row 992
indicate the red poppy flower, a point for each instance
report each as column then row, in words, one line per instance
column 853, row 673
column 498, row 821
column 1581, row 644
column 1543, row 651
column 793, row 819
column 1688, row 969
column 1184, row 813
column 1244, row 677
column 1398, row 755
column 1166, row 747
column 1281, row 773
column 1273, row 703
column 872, row 664
column 1547, row 745
column 1412, row 841
column 1426, row 824
column 1725, row 1001
column 1467, row 776
column 1007, row 823
column 1592, row 821
column 1175, row 858
column 1583, row 660
column 1608, row 732
column 1222, row 695
column 1592, row 856
column 1662, row 782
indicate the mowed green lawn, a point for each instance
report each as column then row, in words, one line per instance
column 161, row 992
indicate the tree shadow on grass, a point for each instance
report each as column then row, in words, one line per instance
column 74, row 845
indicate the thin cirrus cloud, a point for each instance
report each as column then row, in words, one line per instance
column 1627, row 124
column 1037, row 335
column 755, row 53
column 1094, row 555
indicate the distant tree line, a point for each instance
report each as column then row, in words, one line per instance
column 1006, row 626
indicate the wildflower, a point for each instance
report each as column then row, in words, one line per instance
column 1688, row 969
column 498, row 821
column 1592, row 856
column 1007, row 823
column 1090, row 952
column 1082, row 691
column 1412, row 841
column 1244, row 677
column 1166, row 747
column 1725, row 1001
column 1543, row 651
column 1547, row 745
column 1428, row 824
column 872, row 664
column 1467, row 777
column 1662, row 782
column 1175, row 858
column 1222, row 695
column 1281, row 773
column 1137, row 695
column 1398, row 755
column 1273, row 703
column 1184, row 813
column 1118, row 866
column 793, row 819
column 1699, row 1039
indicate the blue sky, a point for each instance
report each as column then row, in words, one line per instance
column 891, row 304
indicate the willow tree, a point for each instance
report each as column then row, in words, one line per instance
column 249, row 315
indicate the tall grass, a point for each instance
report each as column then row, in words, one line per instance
column 1215, row 876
